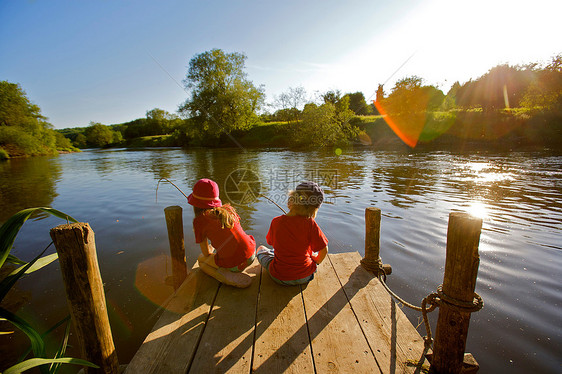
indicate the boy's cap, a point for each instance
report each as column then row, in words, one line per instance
column 317, row 195
column 205, row 194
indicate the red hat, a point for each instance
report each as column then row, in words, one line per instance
column 205, row 194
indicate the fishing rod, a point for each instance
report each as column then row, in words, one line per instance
column 179, row 189
column 283, row 210
column 172, row 183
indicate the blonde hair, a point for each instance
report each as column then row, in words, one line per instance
column 300, row 201
column 225, row 214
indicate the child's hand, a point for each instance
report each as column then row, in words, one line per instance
column 319, row 256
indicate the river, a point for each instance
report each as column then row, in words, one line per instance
column 518, row 195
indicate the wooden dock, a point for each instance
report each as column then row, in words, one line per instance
column 342, row 321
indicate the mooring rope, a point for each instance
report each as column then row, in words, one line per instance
column 432, row 301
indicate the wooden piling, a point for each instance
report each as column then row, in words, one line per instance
column 459, row 281
column 76, row 249
column 372, row 260
column 174, row 222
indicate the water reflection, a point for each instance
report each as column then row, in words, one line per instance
column 518, row 194
column 25, row 184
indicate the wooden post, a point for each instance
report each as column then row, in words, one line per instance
column 459, row 281
column 372, row 260
column 76, row 248
column 174, row 222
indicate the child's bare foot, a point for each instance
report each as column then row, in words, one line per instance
column 240, row 280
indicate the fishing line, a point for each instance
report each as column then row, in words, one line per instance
column 396, row 71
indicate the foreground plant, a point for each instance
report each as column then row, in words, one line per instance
column 8, row 233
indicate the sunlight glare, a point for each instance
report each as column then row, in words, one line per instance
column 478, row 209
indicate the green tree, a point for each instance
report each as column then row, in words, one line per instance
column 63, row 143
column 222, row 98
column 81, row 141
column 545, row 92
column 410, row 96
column 327, row 124
column 289, row 104
column 503, row 86
column 23, row 130
column 98, row 135
column 358, row 104
column 331, row 96
column 449, row 102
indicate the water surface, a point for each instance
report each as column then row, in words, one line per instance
column 519, row 196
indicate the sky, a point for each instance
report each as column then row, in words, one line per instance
column 111, row 61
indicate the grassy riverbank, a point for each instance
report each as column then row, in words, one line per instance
column 441, row 130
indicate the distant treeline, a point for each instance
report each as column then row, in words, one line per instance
column 508, row 106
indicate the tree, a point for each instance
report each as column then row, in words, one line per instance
column 358, row 104
column 289, row 104
column 331, row 96
column 222, row 98
column 15, row 107
column 545, row 92
column 81, row 141
column 327, row 124
column 410, row 96
column 379, row 96
column 449, row 102
column 23, row 130
column 503, row 86
column 99, row 135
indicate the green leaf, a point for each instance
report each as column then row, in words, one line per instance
column 62, row 350
column 37, row 343
column 12, row 226
column 7, row 283
column 34, row 362
column 14, row 260
column 55, row 326
column 40, row 263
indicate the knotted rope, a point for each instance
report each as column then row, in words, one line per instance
column 431, row 302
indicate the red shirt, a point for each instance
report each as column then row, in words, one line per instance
column 294, row 238
column 233, row 246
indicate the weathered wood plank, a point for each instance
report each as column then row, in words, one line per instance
column 173, row 340
column 396, row 344
column 338, row 344
column 282, row 344
column 226, row 344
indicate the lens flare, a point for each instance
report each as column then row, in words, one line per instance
column 151, row 279
column 408, row 129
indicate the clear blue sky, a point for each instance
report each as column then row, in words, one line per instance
column 99, row 60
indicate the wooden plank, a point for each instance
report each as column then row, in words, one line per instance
column 226, row 344
column 173, row 340
column 338, row 344
column 282, row 344
column 396, row 344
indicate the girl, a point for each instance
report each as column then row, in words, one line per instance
column 231, row 250
column 299, row 243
